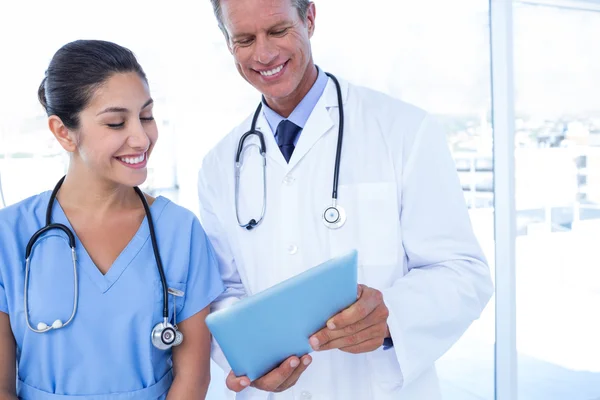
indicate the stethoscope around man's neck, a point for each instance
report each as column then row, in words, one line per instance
column 334, row 215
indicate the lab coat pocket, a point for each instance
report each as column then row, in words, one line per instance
column 372, row 225
column 176, row 295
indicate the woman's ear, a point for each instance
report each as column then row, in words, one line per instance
column 62, row 134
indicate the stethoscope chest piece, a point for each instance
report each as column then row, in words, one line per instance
column 334, row 217
column 165, row 336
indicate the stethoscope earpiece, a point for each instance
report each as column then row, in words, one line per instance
column 251, row 224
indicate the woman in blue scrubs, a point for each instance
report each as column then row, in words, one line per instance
column 99, row 109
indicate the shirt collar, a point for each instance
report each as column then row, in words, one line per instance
column 303, row 110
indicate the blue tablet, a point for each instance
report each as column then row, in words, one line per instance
column 261, row 331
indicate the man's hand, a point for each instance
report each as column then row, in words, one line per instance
column 281, row 378
column 360, row 328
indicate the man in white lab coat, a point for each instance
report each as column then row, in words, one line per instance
column 423, row 277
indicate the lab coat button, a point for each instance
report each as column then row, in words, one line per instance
column 306, row 395
column 292, row 249
column 288, row 180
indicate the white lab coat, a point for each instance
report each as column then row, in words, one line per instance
column 406, row 216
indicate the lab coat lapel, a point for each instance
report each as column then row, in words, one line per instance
column 319, row 123
column 273, row 152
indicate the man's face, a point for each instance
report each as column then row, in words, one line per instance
column 270, row 44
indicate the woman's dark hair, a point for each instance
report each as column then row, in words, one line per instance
column 76, row 71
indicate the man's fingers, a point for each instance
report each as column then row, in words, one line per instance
column 291, row 381
column 373, row 332
column 271, row 381
column 237, row 384
column 326, row 335
column 367, row 302
column 359, row 290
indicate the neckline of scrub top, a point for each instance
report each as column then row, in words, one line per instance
column 127, row 255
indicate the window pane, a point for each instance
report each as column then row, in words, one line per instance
column 557, row 60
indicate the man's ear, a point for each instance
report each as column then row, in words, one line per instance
column 310, row 19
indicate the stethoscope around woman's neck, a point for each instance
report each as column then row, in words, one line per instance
column 164, row 335
column 334, row 215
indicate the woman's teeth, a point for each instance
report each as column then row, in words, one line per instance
column 133, row 160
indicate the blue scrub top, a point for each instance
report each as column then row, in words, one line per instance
column 106, row 352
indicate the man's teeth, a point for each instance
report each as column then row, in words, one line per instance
column 272, row 72
column 133, row 160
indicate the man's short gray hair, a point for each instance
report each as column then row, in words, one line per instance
column 300, row 5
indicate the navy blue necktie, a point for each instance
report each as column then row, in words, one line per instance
column 286, row 134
